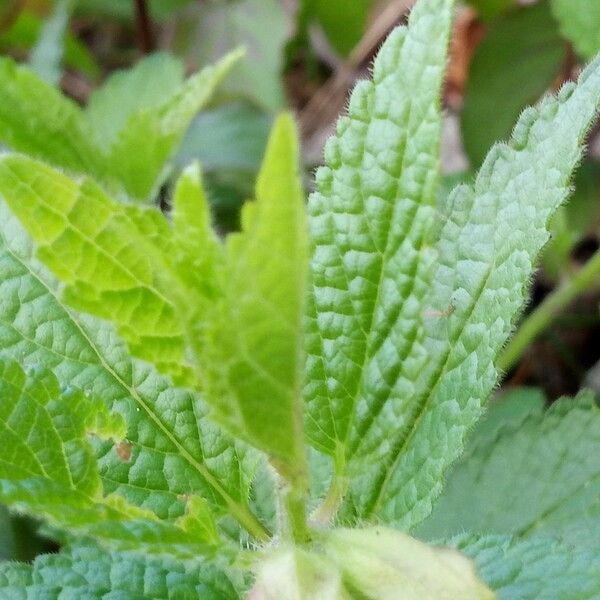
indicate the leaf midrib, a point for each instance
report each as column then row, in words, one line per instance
column 240, row 512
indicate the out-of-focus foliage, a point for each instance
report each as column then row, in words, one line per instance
column 207, row 30
column 24, row 32
column 517, row 61
column 578, row 218
column 580, row 22
column 488, row 9
column 328, row 13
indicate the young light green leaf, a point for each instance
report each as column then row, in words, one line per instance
column 254, row 352
column 540, row 568
column 537, row 476
column 489, row 241
column 378, row 562
column 88, row 571
column 146, row 86
column 369, row 221
column 140, row 166
column 46, row 57
column 175, row 451
column 116, row 273
column 49, row 469
column 37, row 119
column 197, row 256
column 580, row 23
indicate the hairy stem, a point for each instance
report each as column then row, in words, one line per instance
column 541, row 318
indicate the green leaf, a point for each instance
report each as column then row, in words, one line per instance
column 49, row 468
column 116, row 274
column 46, row 57
column 517, row 61
column 230, row 137
column 87, row 571
column 37, row 119
column 25, row 32
column 176, row 453
column 141, row 166
column 369, row 222
column 379, row 562
column 254, row 353
column 580, row 23
column 489, row 9
column 206, row 30
column 483, row 270
column 197, row 256
column 344, row 23
column 146, row 86
column 538, row 475
column 409, row 315
column 536, row 569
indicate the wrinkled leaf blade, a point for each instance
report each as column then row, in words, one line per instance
column 369, row 221
column 176, row 451
column 490, row 239
column 88, row 571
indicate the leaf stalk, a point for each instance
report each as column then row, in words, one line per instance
column 543, row 316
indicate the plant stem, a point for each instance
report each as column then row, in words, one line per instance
column 540, row 319
column 250, row 523
column 144, row 28
column 325, row 514
column 295, row 502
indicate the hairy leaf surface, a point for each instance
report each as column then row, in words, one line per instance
column 411, row 309
column 86, row 571
column 368, row 222
column 489, row 241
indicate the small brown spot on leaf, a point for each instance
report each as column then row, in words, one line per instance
column 123, row 449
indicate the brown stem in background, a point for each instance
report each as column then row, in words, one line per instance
column 11, row 14
column 145, row 38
